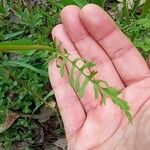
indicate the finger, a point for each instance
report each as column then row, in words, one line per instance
column 67, row 100
column 88, row 48
column 126, row 58
column 88, row 101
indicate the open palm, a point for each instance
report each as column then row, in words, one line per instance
column 91, row 34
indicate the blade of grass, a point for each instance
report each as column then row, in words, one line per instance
column 12, row 35
column 25, row 65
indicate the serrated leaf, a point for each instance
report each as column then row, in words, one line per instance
column 103, row 84
column 113, row 94
column 112, row 91
column 129, row 116
column 87, row 65
column 71, row 73
column 76, row 60
column 123, row 106
column 104, row 99
column 83, row 86
column 77, row 82
column 104, row 96
column 62, row 66
column 71, row 76
column 92, row 74
column 106, row 91
column 121, row 103
column 96, row 89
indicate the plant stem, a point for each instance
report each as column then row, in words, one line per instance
column 7, row 48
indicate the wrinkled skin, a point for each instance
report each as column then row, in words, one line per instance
column 91, row 34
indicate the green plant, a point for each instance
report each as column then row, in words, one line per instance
column 139, row 33
column 24, row 127
column 146, row 9
column 81, row 3
column 135, row 25
column 75, row 83
column 24, row 84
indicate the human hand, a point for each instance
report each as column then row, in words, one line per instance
column 91, row 34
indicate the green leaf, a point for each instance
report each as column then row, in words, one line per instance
column 24, row 65
column 2, row 8
column 113, row 94
column 2, row 113
column 98, row 2
column 136, row 5
column 104, row 98
column 146, row 9
column 71, row 76
column 83, row 86
column 96, row 88
column 17, row 42
column 22, row 46
column 123, row 106
column 51, row 93
column 145, row 22
column 80, row 3
column 67, row 2
column 112, row 91
column 92, row 74
column 62, row 66
column 77, row 82
column 147, row 42
column 87, row 64
column 106, row 91
column 12, row 35
column 71, row 73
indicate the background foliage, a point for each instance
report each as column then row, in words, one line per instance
column 26, row 72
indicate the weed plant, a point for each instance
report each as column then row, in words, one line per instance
column 26, row 48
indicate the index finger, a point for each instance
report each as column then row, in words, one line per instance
column 127, row 60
